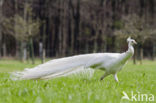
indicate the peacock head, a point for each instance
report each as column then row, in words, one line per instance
column 131, row 41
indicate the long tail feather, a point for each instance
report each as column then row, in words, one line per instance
column 75, row 71
column 55, row 68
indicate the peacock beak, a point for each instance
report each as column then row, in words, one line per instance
column 135, row 42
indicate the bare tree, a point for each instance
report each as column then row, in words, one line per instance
column 136, row 27
column 1, row 4
column 23, row 29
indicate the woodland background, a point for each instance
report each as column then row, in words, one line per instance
column 58, row 28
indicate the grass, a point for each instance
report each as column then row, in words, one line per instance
column 136, row 78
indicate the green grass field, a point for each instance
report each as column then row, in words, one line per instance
column 137, row 78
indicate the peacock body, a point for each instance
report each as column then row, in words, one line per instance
column 111, row 63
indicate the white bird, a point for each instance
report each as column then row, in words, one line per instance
column 111, row 63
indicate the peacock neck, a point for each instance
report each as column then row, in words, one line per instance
column 130, row 49
column 129, row 53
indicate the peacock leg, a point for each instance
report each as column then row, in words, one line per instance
column 105, row 75
column 115, row 77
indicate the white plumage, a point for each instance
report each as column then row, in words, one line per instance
column 110, row 62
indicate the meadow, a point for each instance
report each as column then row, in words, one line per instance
column 141, row 79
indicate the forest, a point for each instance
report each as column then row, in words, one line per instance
column 57, row 28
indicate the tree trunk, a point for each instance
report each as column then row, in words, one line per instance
column 87, row 47
column 21, row 52
column 41, row 52
column 18, row 50
column 0, row 42
column 24, row 52
column 141, row 55
column 4, row 50
column 43, row 56
column 64, row 34
column 32, row 51
column 17, row 42
column 60, row 41
column 64, row 44
column 95, row 46
column 28, row 53
column 154, row 50
column 76, row 20
column 134, row 58
column 105, row 44
column 72, row 40
column 1, row 4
